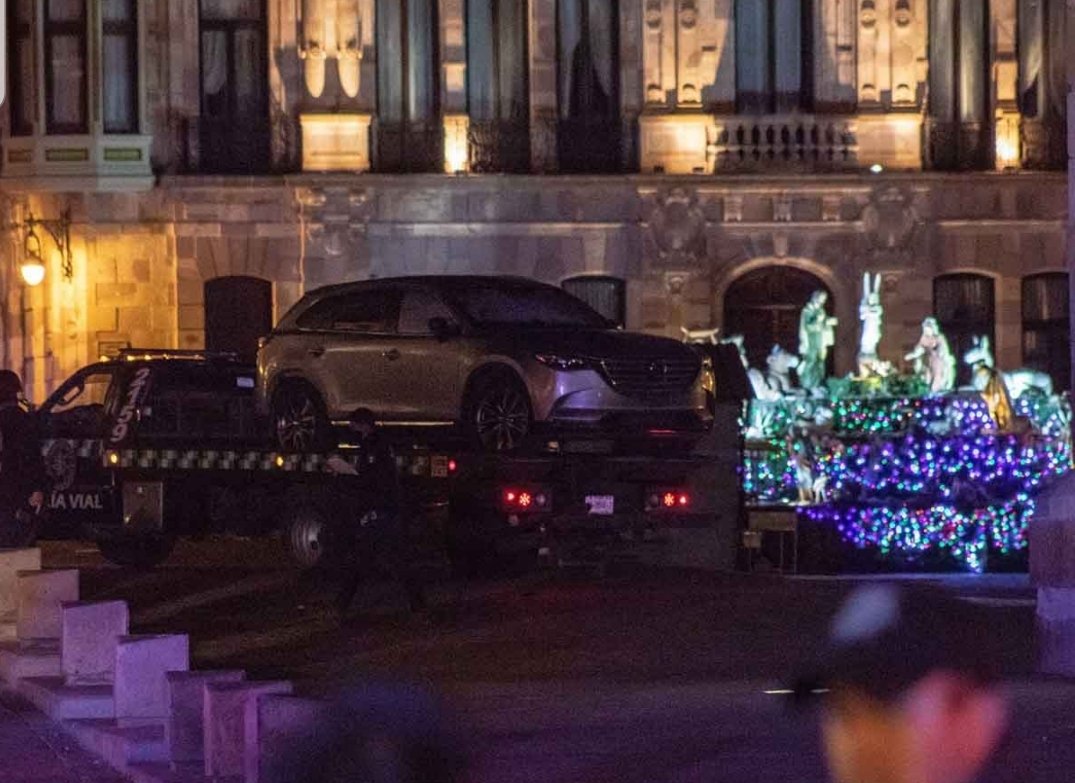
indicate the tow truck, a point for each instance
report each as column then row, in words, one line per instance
column 151, row 445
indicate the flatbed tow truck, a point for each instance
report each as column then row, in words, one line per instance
column 154, row 445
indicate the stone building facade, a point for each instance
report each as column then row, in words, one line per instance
column 678, row 163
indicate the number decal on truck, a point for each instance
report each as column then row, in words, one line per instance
column 135, row 393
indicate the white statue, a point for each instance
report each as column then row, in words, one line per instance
column 817, row 334
column 1017, row 382
column 871, row 314
column 933, row 358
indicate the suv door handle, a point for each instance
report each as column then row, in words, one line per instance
column 391, row 354
column 317, row 352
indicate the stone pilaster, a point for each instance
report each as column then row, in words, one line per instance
column 543, row 86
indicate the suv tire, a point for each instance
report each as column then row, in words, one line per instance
column 299, row 418
column 137, row 551
column 498, row 415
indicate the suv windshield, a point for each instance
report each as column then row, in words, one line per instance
column 518, row 305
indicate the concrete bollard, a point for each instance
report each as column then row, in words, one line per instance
column 184, row 733
column 230, row 717
column 12, row 561
column 90, row 633
column 284, row 725
column 142, row 663
column 1052, row 571
column 40, row 595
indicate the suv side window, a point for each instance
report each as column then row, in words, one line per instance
column 360, row 311
column 418, row 307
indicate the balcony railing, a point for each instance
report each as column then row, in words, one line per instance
column 499, row 146
column 782, row 142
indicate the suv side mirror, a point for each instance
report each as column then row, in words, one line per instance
column 442, row 328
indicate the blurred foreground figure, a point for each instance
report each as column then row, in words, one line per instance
column 22, row 470
column 907, row 686
column 374, row 734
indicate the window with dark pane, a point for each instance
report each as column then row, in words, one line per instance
column 604, row 294
column 66, row 102
column 964, row 306
column 774, row 56
column 234, row 122
column 497, row 85
column 21, row 71
column 119, row 65
column 1046, row 326
column 588, row 91
column 409, row 134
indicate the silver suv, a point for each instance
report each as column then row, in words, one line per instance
column 502, row 357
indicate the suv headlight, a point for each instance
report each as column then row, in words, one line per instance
column 562, row 362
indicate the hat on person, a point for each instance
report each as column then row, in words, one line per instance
column 10, row 385
column 886, row 637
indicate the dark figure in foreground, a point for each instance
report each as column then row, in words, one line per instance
column 374, row 544
column 908, row 689
column 22, row 470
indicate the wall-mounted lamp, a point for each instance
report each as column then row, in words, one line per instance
column 32, row 267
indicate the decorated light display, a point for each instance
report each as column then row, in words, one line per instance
column 905, row 466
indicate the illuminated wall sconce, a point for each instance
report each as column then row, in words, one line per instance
column 32, row 267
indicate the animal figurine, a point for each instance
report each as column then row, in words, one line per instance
column 1018, row 382
column 703, row 336
column 779, row 365
column 871, row 314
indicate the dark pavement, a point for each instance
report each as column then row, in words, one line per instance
column 643, row 675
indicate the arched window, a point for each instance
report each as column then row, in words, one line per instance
column 774, row 55
column 588, row 74
column 497, row 86
column 238, row 311
column 959, row 85
column 764, row 306
column 234, row 120
column 409, row 132
column 964, row 305
column 603, row 293
column 1046, row 328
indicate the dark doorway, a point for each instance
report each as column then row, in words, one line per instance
column 238, row 310
column 964, row 306
column 764, row 306
column 234, row 121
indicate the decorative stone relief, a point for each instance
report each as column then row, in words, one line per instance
column 868, row 14
column 830, row 209
column 890, row 219
column 904, row 15
column 313, row 49
column 782, row 209
column 733, row 209
column 677, row 225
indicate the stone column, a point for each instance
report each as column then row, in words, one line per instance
column 543, row 86
column 1071, row 181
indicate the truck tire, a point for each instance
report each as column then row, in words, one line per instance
column 137, row 552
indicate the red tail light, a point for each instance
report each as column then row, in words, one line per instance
column 520, row 499
column 668, row 500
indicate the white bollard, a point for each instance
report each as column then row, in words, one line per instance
column 90, row 634
column 40, row 595
column 185, row 730
column 142, row 663
column 285, row 724
column 12, row 561
column 231, row 714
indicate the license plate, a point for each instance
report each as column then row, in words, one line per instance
column 602, row 505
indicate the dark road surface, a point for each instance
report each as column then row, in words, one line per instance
column 643, row 675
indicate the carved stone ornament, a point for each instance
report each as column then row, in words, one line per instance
column 653, row 14
column 903, row 13
column 677, row 225
column 889, row 219
column 868, row 14
column 310, row 197
column 688, row 15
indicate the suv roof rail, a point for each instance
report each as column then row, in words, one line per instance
column 134, row 354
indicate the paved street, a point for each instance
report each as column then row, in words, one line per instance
column 644, row 675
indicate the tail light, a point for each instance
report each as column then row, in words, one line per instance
column 523, row 500
column 668, row 499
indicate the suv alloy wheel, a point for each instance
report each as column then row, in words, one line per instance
column 299, row 418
